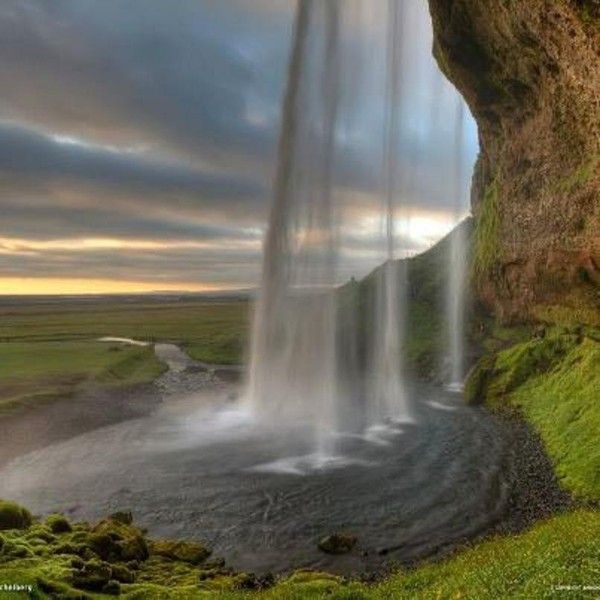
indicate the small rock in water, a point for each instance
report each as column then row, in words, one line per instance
column 338, row 543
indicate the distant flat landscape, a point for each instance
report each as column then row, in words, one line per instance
column 50, row 349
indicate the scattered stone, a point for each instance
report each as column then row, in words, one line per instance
column 338, row 543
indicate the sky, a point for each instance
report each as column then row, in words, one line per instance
column 138, row 142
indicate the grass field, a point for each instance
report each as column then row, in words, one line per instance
column 51, row 350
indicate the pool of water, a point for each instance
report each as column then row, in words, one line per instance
column 200, row 468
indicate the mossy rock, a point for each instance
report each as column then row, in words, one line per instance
column 122, row 516
column 93, row 576
column 115, row 541
column 14, row 550
column 56, row 589
column 189, row 552
column 307, row 576
column 41, row 532
column 112, row 588
column 122, row 574
column 13, row 516
column 338, row 543
column 478, row 380
column 58, row 524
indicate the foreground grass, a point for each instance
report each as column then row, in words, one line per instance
column 554, row 382
column 49, row 351
column 75, row 562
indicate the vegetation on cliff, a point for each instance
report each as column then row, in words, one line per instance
column 529, row 72
column 553, row 380
column 426, row 274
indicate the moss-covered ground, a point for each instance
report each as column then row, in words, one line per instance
column 554, row 381
column 63, row 560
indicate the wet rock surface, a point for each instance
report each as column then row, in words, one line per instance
column 529, row 71
column 338, row 543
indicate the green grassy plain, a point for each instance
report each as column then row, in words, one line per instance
column 51, row 350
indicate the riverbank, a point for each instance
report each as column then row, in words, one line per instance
column 51, row 351
column 34, row 425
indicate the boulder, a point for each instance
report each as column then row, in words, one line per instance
column 338, row 543
column 190, row 552
column 58, row 524
column 13, row 516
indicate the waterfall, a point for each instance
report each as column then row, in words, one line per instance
column 457, row 275
column 293, row 371
column 308, row 363
column 386, row 396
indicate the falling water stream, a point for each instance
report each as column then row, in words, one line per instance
column 295, row 358
column 457, row 264
column 293, row 370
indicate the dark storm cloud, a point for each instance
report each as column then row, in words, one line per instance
column 26, row 157
column 155, row 120
column 180, row 77
column 138, row 120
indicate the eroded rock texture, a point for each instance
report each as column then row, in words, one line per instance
column 530, row 71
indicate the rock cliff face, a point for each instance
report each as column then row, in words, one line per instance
column 530, row 71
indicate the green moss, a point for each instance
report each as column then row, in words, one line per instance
column 486, row 241
column 13, row 516
column 189, row 552
column 553, row 381
column 561, row 549
column 58, row 524
column 478, row 380
column 563, row 405
column 515, row 366
column 579, row 177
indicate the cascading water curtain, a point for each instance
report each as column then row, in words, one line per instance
column 293, row 372
column 386, row 392
column 457, row 265
column 360, row 167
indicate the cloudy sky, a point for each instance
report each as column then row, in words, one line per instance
column 138, row 142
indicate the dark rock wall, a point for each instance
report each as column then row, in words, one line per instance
column 530, row 71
